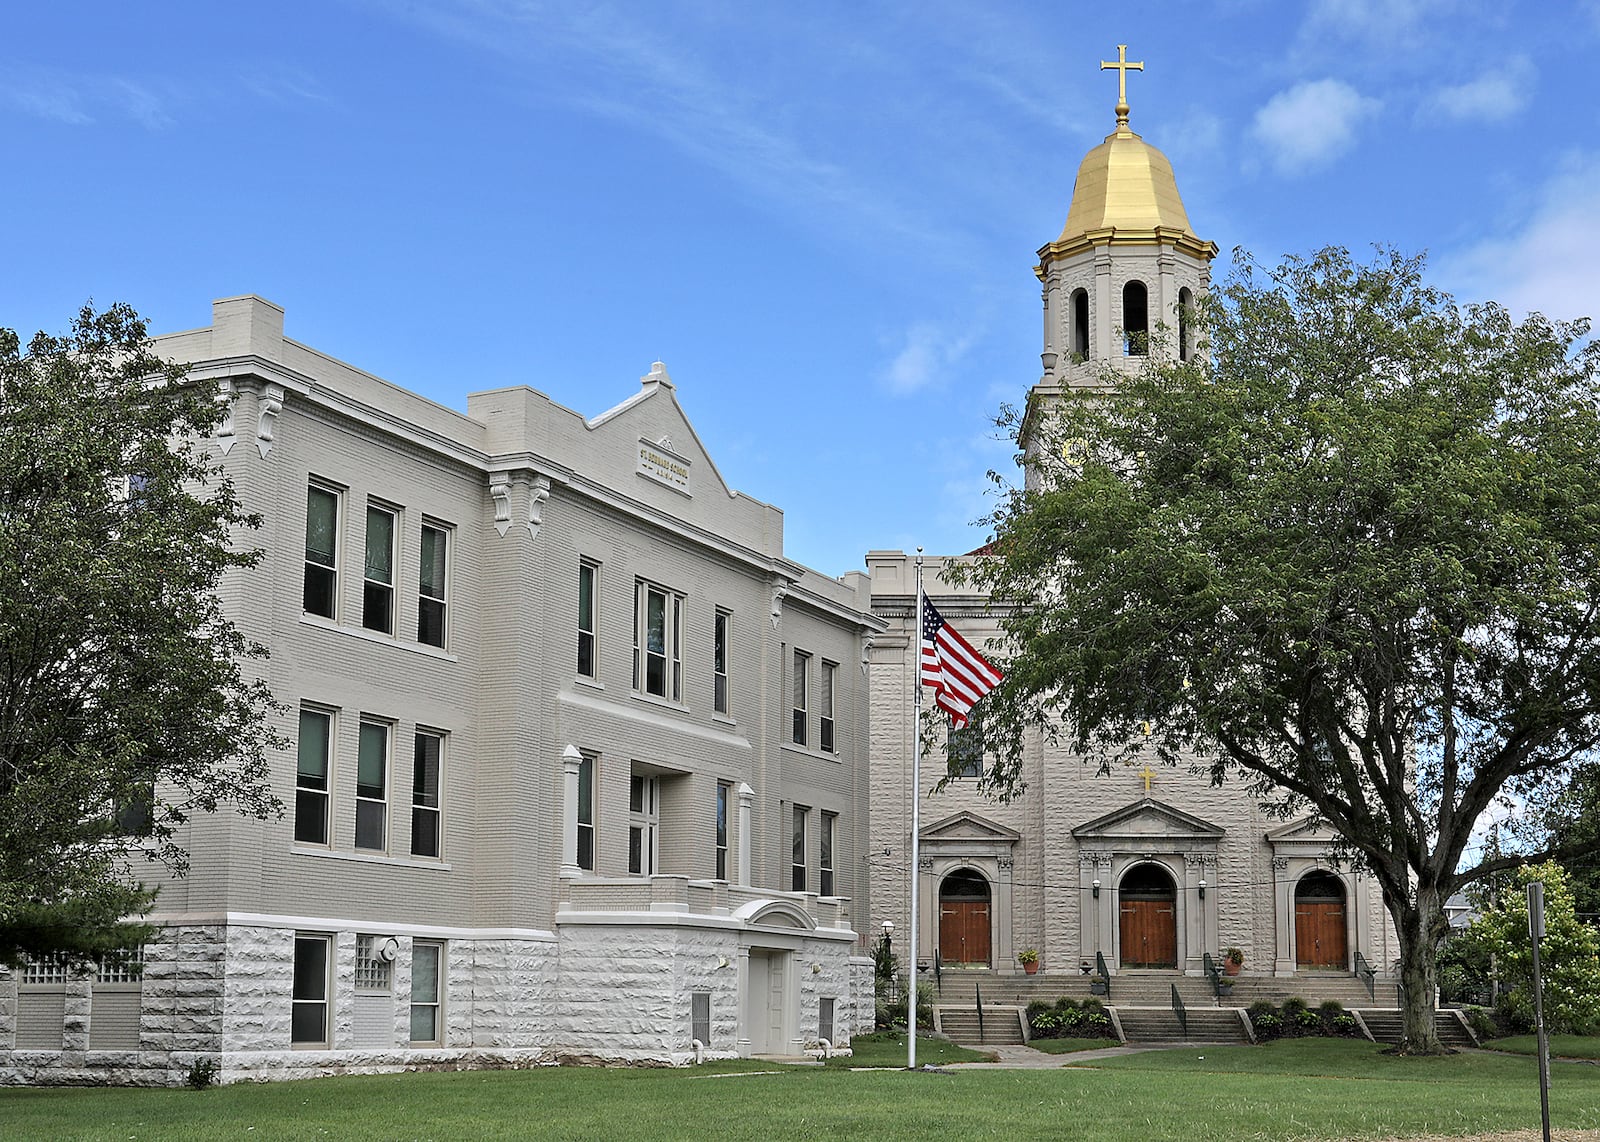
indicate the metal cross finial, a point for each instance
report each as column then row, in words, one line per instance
column 1122, row 68
column 1147, row 774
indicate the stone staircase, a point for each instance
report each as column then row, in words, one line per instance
column 1000, row 1024
column 1384, row 1025
column 1160, row 1025
column 1154, row 989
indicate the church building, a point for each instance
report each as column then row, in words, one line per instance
column 1143, row 870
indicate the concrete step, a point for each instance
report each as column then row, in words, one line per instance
column 1155, row 989
column 999, row 1024
column 1160, row 1025
column 1385, row 1026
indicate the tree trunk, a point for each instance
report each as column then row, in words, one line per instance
column 1420, row 923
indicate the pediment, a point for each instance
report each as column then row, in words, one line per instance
column 1148, row 818
column 969, row 826
column 1306, row 830
column 771, row 913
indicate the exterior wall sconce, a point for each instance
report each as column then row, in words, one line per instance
column 1202, row 888
column 1097, row 888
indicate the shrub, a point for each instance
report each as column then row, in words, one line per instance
column 1268, row 1023
column 202, row 1073
column 1293, row 1006
column 1035, row 1009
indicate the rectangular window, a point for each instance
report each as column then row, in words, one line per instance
column 311, row 778
column 427, row 971
column 377, row 586
column 802, row 664
column 372, row 786
column 431, row 586
column 586, row 813
column 322, row 552
column 964, row 751
column 825, row 706
column 797, row 860
column 825, row 854
column 719, row 662
column 658, row 643
column 723, row 792
column 373, row 970
column 588, row 582
column 644, row 816
column 308, row 1020
column 426, row 834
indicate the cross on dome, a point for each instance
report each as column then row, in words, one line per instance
column 1122, row 67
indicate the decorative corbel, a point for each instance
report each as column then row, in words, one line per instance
column 500, row 489
column 267, row 416
column 226, row 395
column 536, row 502
column 779, row 590
column 866, row 654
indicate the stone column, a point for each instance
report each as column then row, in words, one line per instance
column 1100, row 322
column 571, row 760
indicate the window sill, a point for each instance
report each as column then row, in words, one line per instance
column 377, row 639
column 662, row 703
column 588, row 683
column 724, row 719
column 807, row 751
column 373, row 858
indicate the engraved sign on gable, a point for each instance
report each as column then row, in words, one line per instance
column 659, row 462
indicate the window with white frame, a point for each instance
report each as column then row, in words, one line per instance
column 427, row 760
column 372, row 786
column 724, row 793
column 799, row 682
column 644, row 820
column 308, row 1020
column 377, row 585
column 720, row 631
column 427, row 978
column 586, row 834
column 321, row 592
column 825, row 696
column 311, row 777
column 431, row 585
column 658, row 642
column 829, row 825
column 374, row 971
column 588, row 588
column 797, row 859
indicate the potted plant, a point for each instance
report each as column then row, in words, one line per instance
column 1232, row 960
column 1029, row 959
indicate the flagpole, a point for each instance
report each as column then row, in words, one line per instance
column 914, row 646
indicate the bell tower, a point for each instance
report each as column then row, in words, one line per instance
column 1122, row 279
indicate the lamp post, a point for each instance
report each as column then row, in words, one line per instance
column 888, row 938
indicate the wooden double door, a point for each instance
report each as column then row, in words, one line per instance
column 1148, row 918
column 1321, row 931
column 964, row 919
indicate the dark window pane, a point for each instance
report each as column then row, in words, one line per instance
column 322, row 518
column 310, row 968
column 371, row 763
column 424, row 832
column 430, row 622
column 318, row 595
column 369, row 824
column 377, row 605
column 308, row 1022
column 311, row 817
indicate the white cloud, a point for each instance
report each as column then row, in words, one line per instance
column 1381, row 21
column 1494, row 97
column 1311, row 124
column 1548, row 264
column 79, row 100
column 926, row 358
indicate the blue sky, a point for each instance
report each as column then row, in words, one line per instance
column 823, row 217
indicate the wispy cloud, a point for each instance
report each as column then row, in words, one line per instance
column 1377, row 21
column 1493, row 97
column 1547, row 263
column 926, row 357
column 1311, row 124
column 80, row 99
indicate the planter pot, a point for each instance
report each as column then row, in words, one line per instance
column 1031, row 969
column 1225, row 987
column 1097, row 988
column 1230, row 968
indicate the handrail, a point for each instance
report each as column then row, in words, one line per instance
column 977, row 995
column 1177, row 1009
column 938, row 978
column 1368, row 976
column 1103, row 972
column 1213, row 975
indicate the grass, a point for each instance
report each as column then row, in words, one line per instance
column 888, row 1049
column 1070, row 1046
column 1301, row 1090
column 1562, row 1046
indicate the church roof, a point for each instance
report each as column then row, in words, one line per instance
column 1124, row 183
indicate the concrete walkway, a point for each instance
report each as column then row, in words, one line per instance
column 1017, row 1057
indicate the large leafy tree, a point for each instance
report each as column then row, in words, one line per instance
column 1351, row 552
column 126, row 703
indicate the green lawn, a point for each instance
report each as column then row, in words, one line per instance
column 888, row 1049
column 1302, row 1090
column 1563, row 1046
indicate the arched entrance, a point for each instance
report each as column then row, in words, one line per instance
column 1149, row 918
column 1319, row 922
column 964, row 919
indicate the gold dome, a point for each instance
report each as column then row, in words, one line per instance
column 1125, row 184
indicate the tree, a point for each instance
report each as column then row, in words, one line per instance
column 125, row 705
column 1350, row 553
column 1574, row 820
column 1569, row 954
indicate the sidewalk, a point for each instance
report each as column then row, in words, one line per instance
column 1018, row 1057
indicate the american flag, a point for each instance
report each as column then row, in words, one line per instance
column 950, row 664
